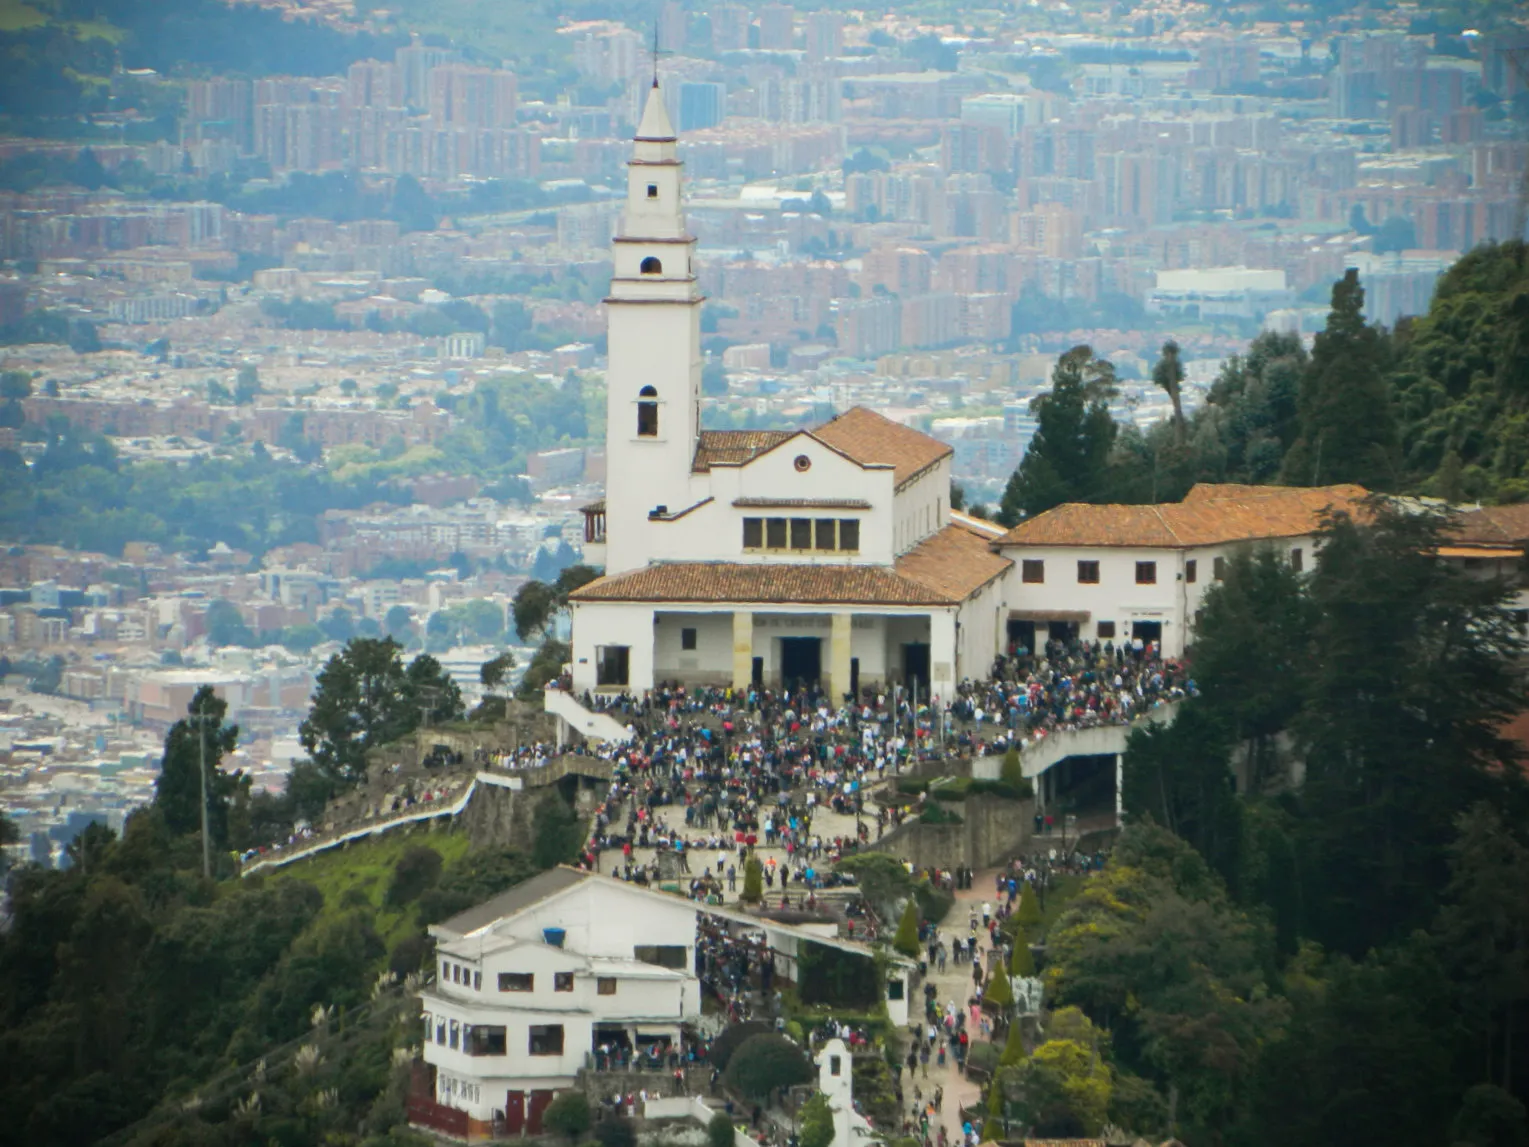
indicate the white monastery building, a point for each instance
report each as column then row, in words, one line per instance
column 832, row 555
column 532, row 982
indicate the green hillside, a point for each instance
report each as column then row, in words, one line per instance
column 128, row 986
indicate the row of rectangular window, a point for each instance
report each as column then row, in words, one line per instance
column 1033, row 571
column 828, row 535
column 561, row 982
column 519, row 981
column 461, row 974
column 490, row 1039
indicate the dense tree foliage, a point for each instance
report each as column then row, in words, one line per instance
column 1334, row 949
column 136, row 996
column 1438, row 406
column 1069, row 452
column 366, row 697
column 178, row 792
column 1345, row 428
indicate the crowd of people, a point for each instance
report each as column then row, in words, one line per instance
column 1078, row 686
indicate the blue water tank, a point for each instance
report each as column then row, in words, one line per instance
column 554, row 936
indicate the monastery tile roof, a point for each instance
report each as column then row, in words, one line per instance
column 734, row 447
column 956, row 562
column 1208, row 515
column 1493, row 526
column 769, row 583
column 870, row 438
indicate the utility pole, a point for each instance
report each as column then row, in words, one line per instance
column 200, row 720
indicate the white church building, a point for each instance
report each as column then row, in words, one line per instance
column 832, row 555
column 766, row 557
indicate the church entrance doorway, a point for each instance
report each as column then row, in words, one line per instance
column 1064, row 633
column 1147, row 631
column 801, row 661
column 916, row 667
column 1021, row 638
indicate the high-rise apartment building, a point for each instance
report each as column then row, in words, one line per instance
column 777, row 27
column 824, row 36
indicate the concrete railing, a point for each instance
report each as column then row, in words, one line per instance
column 595, row 726
column 1036, row 756
column 431, row 810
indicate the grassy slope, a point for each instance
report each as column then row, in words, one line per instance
column 364, row 869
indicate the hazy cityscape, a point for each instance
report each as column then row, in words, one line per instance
column 894, row 211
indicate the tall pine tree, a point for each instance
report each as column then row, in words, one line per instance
column 1067, row 458
column 178, row 792
column 1347, row 430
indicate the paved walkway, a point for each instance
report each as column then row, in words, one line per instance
column 954, row 983
column 825, row 823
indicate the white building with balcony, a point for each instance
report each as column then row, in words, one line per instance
column 533, row 982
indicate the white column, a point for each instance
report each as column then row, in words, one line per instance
column 743, row 648
column 640, row 659
column 840, row 633
column 1120, row 803
column 942, row 654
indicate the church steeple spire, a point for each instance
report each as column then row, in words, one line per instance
column 653, row 380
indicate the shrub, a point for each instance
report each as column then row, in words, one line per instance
column 933, row 903
column 817, row 1122
column 934, row 814
column 1024, row 790
column 1029, row 914
column 416, row 870
column 1012, row 773
column 983, row 1057
column 794, row 1032
column 998, row 994
column 767, row 1062
column 753, row 881
column 906, row 940
column 558, row 833
column 731, row 1039
column 1013, row 1047
column 875, row 1093
column 618, row 1132
column 568, row 1115
column 1022, row 961
column 912, row 786
column 408, row 955
column 720, row 1131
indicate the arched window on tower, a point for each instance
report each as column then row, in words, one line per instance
column 647, row 412
column 651, row 266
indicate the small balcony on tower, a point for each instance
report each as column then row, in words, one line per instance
column 594, row 534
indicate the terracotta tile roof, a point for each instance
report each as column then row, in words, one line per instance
column 1493, row 525
column 869, row 438
column 741, row 583
column 734, row 447
column 955, row 562
column 1209, row 515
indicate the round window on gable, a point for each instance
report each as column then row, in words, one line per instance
column 802, row 463
column 651, row 266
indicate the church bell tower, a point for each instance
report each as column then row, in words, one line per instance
column 653, row 381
